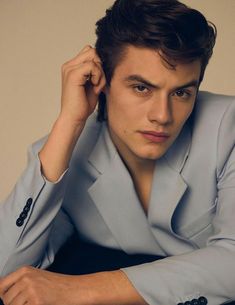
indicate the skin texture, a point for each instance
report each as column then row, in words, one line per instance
column 133, row 106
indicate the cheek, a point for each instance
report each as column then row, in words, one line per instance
column 183, row 113
column 121, row 108
column 117, row 116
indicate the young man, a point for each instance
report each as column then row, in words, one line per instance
column 155, row 174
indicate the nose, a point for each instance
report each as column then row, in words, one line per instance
column 160, row 111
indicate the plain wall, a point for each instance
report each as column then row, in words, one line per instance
column 37, row 37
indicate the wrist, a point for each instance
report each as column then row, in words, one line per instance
column 108, row 288
column 56, row 153
column 65, row 122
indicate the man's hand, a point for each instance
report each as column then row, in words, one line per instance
column 82, row 81
column 36, row 287
column 33, row 286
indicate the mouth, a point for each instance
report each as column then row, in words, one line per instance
column 156, row 137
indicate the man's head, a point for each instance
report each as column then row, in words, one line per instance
column 178, row 33
column 154, row 54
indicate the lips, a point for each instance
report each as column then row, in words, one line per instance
column 156, row 137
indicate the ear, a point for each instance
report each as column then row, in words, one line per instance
column 105, row 89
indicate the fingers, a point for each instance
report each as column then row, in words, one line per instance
column 11, row 286
column 87, row 47
column 101, row 85
column 82, row 80
column 8, row 281
column 88, row 53
column 81, row 73
column 86, row 66
column 19, row 299
column 14, row 295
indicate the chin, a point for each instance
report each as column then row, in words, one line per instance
column 151, row 155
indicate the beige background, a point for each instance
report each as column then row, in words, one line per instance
column 36, row 37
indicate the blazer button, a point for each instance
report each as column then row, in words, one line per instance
column 23, row 215
column 29, row 202
column 187, row 303
column 202, row 301
column 19, row 222
column 180, row 304
column 26, row 209
column 195, row 302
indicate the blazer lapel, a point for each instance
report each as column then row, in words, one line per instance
column 168, row 184
column 114, row 195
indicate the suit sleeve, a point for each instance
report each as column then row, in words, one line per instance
column 209, row 271
column 31, row 218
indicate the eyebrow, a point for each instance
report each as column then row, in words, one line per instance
column 139, row 78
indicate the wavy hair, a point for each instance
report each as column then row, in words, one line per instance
column 177, row 32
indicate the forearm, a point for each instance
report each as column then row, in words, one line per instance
column 33, row 286
column 56, row 153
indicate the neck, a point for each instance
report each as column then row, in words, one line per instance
column 139, row 167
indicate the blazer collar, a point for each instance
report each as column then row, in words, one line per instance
column 114, row 194
column 177, row 154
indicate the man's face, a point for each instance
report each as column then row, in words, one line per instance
column 148, row 103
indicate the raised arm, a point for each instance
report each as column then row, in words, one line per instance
column 27, row 217
column 82, row 81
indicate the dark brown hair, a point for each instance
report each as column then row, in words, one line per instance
column 178, row 33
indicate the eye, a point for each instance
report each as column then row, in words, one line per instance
column 182, row 93
column 141, row 89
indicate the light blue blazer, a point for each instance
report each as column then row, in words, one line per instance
column 191, row 216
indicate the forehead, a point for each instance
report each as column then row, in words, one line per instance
column 150, row 65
